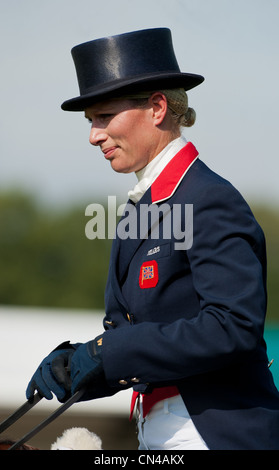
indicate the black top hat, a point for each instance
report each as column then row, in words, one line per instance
column 124, row 64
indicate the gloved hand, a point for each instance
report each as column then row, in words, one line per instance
column 87, row 371
column 53, row 374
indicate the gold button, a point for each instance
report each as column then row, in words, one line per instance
column 129, row 318
column 123, row 382
column 135, row 380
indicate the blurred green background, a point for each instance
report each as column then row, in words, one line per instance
column 46, row 259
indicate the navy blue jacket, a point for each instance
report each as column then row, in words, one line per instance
column 194, row 317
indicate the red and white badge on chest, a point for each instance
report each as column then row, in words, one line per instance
column 148, row 274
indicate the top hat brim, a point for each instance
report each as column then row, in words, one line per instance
column 118, row 88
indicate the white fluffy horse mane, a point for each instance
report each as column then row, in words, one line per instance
column 77, row 439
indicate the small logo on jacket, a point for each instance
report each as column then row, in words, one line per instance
column 153, row 251
column 148, row 274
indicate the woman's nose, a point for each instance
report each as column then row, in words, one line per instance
column 97, row 136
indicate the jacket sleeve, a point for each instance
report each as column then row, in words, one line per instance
column 227, row 261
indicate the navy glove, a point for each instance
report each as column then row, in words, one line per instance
column 87, row 371
column 52, row 375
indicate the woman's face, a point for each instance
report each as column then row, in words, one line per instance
column 127, row 135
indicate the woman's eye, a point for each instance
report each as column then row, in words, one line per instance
column 101, row 117
column 106, row 116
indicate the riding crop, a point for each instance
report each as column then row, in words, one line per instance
column 22, row 410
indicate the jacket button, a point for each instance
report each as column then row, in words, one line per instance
column 130, row 318
column 135, row 380
column 123, row 382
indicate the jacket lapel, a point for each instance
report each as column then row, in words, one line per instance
column 124, row 248
column 128, row 246
column 169, row 179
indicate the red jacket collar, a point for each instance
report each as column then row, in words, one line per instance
column 169, row 179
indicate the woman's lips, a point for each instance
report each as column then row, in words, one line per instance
column 109, row 152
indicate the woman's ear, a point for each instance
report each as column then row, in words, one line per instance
column 159, row 105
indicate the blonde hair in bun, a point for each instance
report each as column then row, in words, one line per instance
column 178, row 104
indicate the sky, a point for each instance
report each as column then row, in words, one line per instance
column 232, row 43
